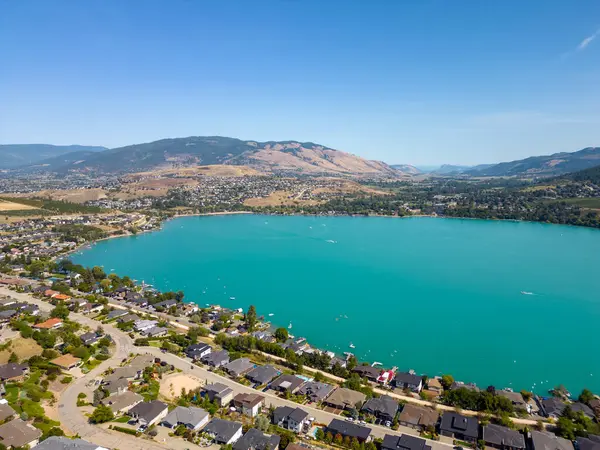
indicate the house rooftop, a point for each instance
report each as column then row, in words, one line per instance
column 345, row 397
column 382, row 405
column 287, row 382
column 65, row 360
column 50, row 323
column 18, row 433
column 12, row 370
column 262, row 374
column 457, row 423
column 118, row 402
column 257, row 440
column 549, row 441
column 148, row 410
column 249, row 400
column 404, row 442
column 503, row 436
column 223, row 430
column 419, row 415
column 191, row 415
column 64, row 443
column 350, row 429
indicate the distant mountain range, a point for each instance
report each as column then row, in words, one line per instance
column 18, row 155
column 549, row 165
column 407, row 169
column 268, row 157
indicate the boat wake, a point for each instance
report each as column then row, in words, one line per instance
column 331, row 241
column 527, row 293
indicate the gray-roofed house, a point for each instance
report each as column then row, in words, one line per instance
column 6, row 411
column 142, row 361
column 219, row 392
column 515, row 397
column 116, row 386
column 257, row 440
column 344, row 398
column 18, row 433
column 583, row 408
column 128, row 373
column 249, row 404
column 549, row 441
column 223, row 432
column 13, row 371
column 238, row 367
column 503, row 438
column 350, row 429
column 384, row 407
column 144, row 325
column 149, row 413
column 7, row 314
column 315, row 391
column 197, row 351
column 89, row 338
column 418, row 417
column 216, row 359
column 115, row 313
column 64, row 443
column 155, row 332
column 262, row 374
column 192, row 418
column 293, row 419
column 287, row 383
column 592, row 442
column 128, row 318
column 404, row 442
column 121, row 403
column 552, row 407
column 459, row 427
column 410, row 381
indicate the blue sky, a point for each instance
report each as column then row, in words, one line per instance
column 405, row 81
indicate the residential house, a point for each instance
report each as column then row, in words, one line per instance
column 238, row 367
column 315, row 391
column 257, row 440
column 410, row 381
column 552, row 407
column 344, row 398
column 128, row 318
column 262, row 374
column 249, row 404
column 89, row 338
column 338, row 361
column 13, row 372
column 128, row 373
column 90, row 308
column 459, row 427
column 404, row 442
column 592, row 442
column 66, row 362
column 6, row 411
column 18, row 433
column 515, row 397
column 198, row 351
column 144, row 325
column 116, row 313
column 350, row 429
column 223, row 432
column 503, row 438
column 155, row 332
column 192, row 418
column 264, row 336
column 220, row 392
column 122, row 403
column 461, row 385
column 166, row 304
column 115, row 387
column 64, row 443
column 50, row 324
column 216, row 359
column 384, row 408
column 293, row 419
column 549, row 441
column 7, row 315
column 434, row 386
column 149, row 413
column 418, row 417
column 368, row 372
column 140, row 362
column 583, row 408
column 287, row 383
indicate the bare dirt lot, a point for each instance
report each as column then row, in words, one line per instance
column 23, row 348
column 171, row 385
column 12, row 206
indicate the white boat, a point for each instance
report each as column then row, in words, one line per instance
column 352, row 345
column 290, row 326
column 231, row 298
column 271, row 314
column 526, row 293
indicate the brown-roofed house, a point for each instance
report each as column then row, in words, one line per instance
column 418, row 417
column 343, row 398
column 66, row 362
column 249, row 404
column 50, row 324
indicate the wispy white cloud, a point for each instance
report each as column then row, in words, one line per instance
column 588, row 40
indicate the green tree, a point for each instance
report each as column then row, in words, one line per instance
column 251, row 318
column 261, row 423
column 102, row 414
column 320, row 434
column 281, row 334
column 586, row 396
column 98, row 273
column 13, row 358
column 60, row 311
column 81, row 352
column 447, row 381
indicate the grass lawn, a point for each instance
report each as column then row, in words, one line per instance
column 12, row 393
column 23, row 348
column 150, row 391
column 592, row 203
column 123, row 419
column 46, row 425
column 89, row 365
column 154, row 344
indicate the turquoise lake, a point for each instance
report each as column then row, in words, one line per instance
column 434, row 295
